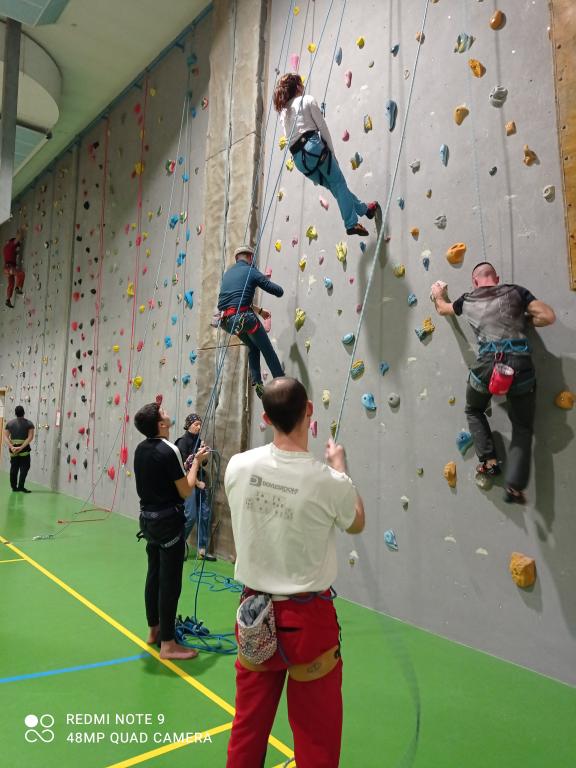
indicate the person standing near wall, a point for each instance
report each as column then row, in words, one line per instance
column 286, row 508
column 196, row 508
column 162, row 485
column 238, row 315
column 500, row 316
column 13, row 267
column 18, row 434
column 313, row 151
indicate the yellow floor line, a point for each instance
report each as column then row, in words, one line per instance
column 13, row 560
column 273, row 741
column 170, row 747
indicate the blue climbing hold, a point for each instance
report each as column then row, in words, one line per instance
column 165, row 282
column 174, row 319
column 384, row 367
column 348, row 339
column 180, row 258
column 362, row 246
column 189, row 401
column 185, row 177
column 328, row 283
column 394, row 50
column 187, row 234
column 186, row 379
column 390, row 540
column 338, row 56
column 401, row 203
column 368, row 401
column 193, row 356
column 444, row 154
column 180, row 160
column 174, row 219
column 426, row 263
column 392, row 109
column 464, row 441
column 412, row 299
column 189, row 299
column 167, row 342
column 193, row 112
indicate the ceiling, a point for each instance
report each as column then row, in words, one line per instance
column 99, row 46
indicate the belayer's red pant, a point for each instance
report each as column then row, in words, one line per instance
column 305, row 631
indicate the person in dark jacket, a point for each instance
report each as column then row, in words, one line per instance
column 238, row 315
column 18, row 434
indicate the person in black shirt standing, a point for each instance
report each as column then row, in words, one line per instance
column 162, row 484
column 500, row 316
column 18, row 434
column 238, row 316
column 196, row 507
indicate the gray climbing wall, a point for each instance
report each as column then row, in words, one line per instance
column 113, row 248
column 450, row 573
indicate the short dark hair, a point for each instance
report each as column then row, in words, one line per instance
column 484, row 264
column 284, row 400
column 19, row 411
column 147, row 418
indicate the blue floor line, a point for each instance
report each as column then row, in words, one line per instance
column 50, row 672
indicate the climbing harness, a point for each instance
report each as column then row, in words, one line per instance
column 163, row 528
column 299, row 147
column 512, row 346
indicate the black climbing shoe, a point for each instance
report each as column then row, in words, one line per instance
column 373, row 208
column 511, row 496
column 19, row 291
column 24, row 490
column 9, row 304
column 490, row 471
column 358, row 229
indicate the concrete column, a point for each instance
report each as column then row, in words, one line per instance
column 9, row 114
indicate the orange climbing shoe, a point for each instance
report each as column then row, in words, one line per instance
column 373, row 209
column 358, row 229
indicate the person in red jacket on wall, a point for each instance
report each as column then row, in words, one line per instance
column 13, row 267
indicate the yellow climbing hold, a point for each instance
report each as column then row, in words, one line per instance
column 282, row 141
column 460, row 113
column 311, row 47
column 478, row 69
column 428, row 326
column 138, row 169
column 280, row 194
column 367, row 123
column 116, row 348
column 290, row 164
column 137, row 382
column 130, row 289
column 278, row 245
column 142, row 309
column 311, row 233
column 296, row 10
column 299, row 318
column 399, row 270
column 565, row 400
column 333, row 428
column 450, row 473
column 455, row 254
column 148, row 253
column 326, row 397
column 302, row 263
column 360, row 42
column 341, row 251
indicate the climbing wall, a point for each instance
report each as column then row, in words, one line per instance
column 112, row 253
column 478, row 165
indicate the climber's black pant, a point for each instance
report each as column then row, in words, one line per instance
column 19, row 464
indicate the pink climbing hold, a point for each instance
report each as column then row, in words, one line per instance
column 111, row 473
column 314, row 428
column 348, row 79
column 268, row 272
column 294, row 242
column 324, row 203
column 119, row 364
column 294, row 62
column 139, row 346
column 74, row 325
column 116, row 399
column 124, row 455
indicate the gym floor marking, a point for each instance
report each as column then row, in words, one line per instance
column 272, row 740
column 79, row 668
column 169, row 748
column 13, row 560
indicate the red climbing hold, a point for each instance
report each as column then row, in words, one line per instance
column 159, row 399
column 124, row 455
column 111, row 473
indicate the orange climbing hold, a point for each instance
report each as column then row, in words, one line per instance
column 450, row 473
column 498, row 20
column 478, row 69
column 455, row 254
column 460, row 114
column 565, row 400
column 530, row 157
column 522, row 569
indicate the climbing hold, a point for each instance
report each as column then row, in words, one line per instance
column 338, row 56
column 450, row 473
column 390, row 540
column 463, row 42
column 341, row 251
column 174, row 319
column 478, row 69
column 415, row 166
column 312, row 47
column 282, row 142
column 356, row 161
column 116, row 348
column 180, row 258
column 302, row 263
column 498, row 95
column 280, row 194
column 353, row 558
column 412, row 299
column 324, row 203
column 333, row 427
column 360, row 42
column 426, row 330
column 130, row 289
column 565, row 400
column 498, row 20
column 290, row 164
column 368, row 401
column 189, row 298
column 522, row 569
column 441, row 221
column 426, row 259
column 123, row 455
column 299, row 318
column 393, row 400
column 348, row 79
column 357, row 369
column 138, row 169
column 348, row 339
column 314, row 428
column 367, row 123
column 394, row 50
column 139, row 346
column 549, row 193
column 186, row 379
column 278, row 245
column 460, row 114
column 415, row 232
column 455, row 254
column 384, row 367
column 137, row 382
column 420, row 37
column 142, row 308
column 392, row 110
column 399, row 270
column 311, row 234
column 464, row 441
column 345, row 136
column 419, row 471
column 111, row 472
column 530, row 157
column 510, row 128
column 444, row 154
column 170, row 166
column 328, row 284
column 401, row 203
column 428, row 193
column 193, row 356
column 326, row 397
column 167, row 342
column 493, row 170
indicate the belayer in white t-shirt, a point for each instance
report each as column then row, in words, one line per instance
column 286, row 508
column 313, row 152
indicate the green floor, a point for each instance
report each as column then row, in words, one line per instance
column 476, row 711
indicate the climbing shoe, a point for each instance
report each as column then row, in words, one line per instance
column 259, row 389
column 357, row 229
column 9, row 304
column 492, row 470
column 511, row 496
column 19, row 291
column 373, row 208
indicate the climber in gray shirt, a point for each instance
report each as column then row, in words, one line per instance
column 500, row 316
